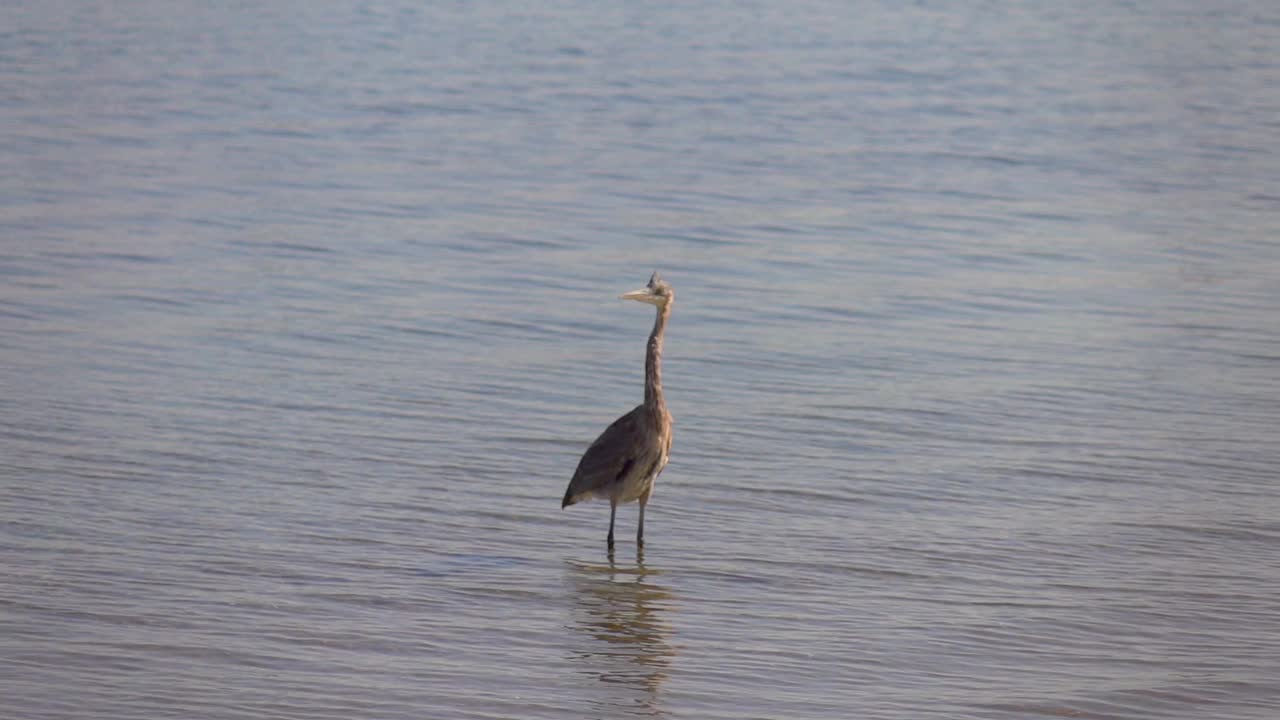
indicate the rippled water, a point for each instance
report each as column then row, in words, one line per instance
column 309, row 309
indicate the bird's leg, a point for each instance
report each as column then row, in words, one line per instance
column 613, row 512
column 640, row 528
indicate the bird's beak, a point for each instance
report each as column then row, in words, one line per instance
column 644, row 295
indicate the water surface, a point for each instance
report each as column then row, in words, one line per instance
column 307, row 312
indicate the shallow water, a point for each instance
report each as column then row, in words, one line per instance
column 308, row 311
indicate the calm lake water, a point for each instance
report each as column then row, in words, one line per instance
column 308, row 309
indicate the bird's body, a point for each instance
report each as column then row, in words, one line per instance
column 622, row 477
column 623, row 463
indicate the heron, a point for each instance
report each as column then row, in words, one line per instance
column 623, row 463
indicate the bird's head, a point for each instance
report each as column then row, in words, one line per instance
column 658, row 292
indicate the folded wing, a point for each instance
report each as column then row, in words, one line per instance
column 610, row 460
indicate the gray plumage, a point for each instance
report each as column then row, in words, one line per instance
column 623, row 463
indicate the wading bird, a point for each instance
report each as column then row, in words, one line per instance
column 624, row 461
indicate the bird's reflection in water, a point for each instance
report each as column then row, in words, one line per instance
column 620, row 613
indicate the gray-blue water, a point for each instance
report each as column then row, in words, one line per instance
column 308, row 309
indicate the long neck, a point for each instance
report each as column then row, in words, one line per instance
column 653, row 363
